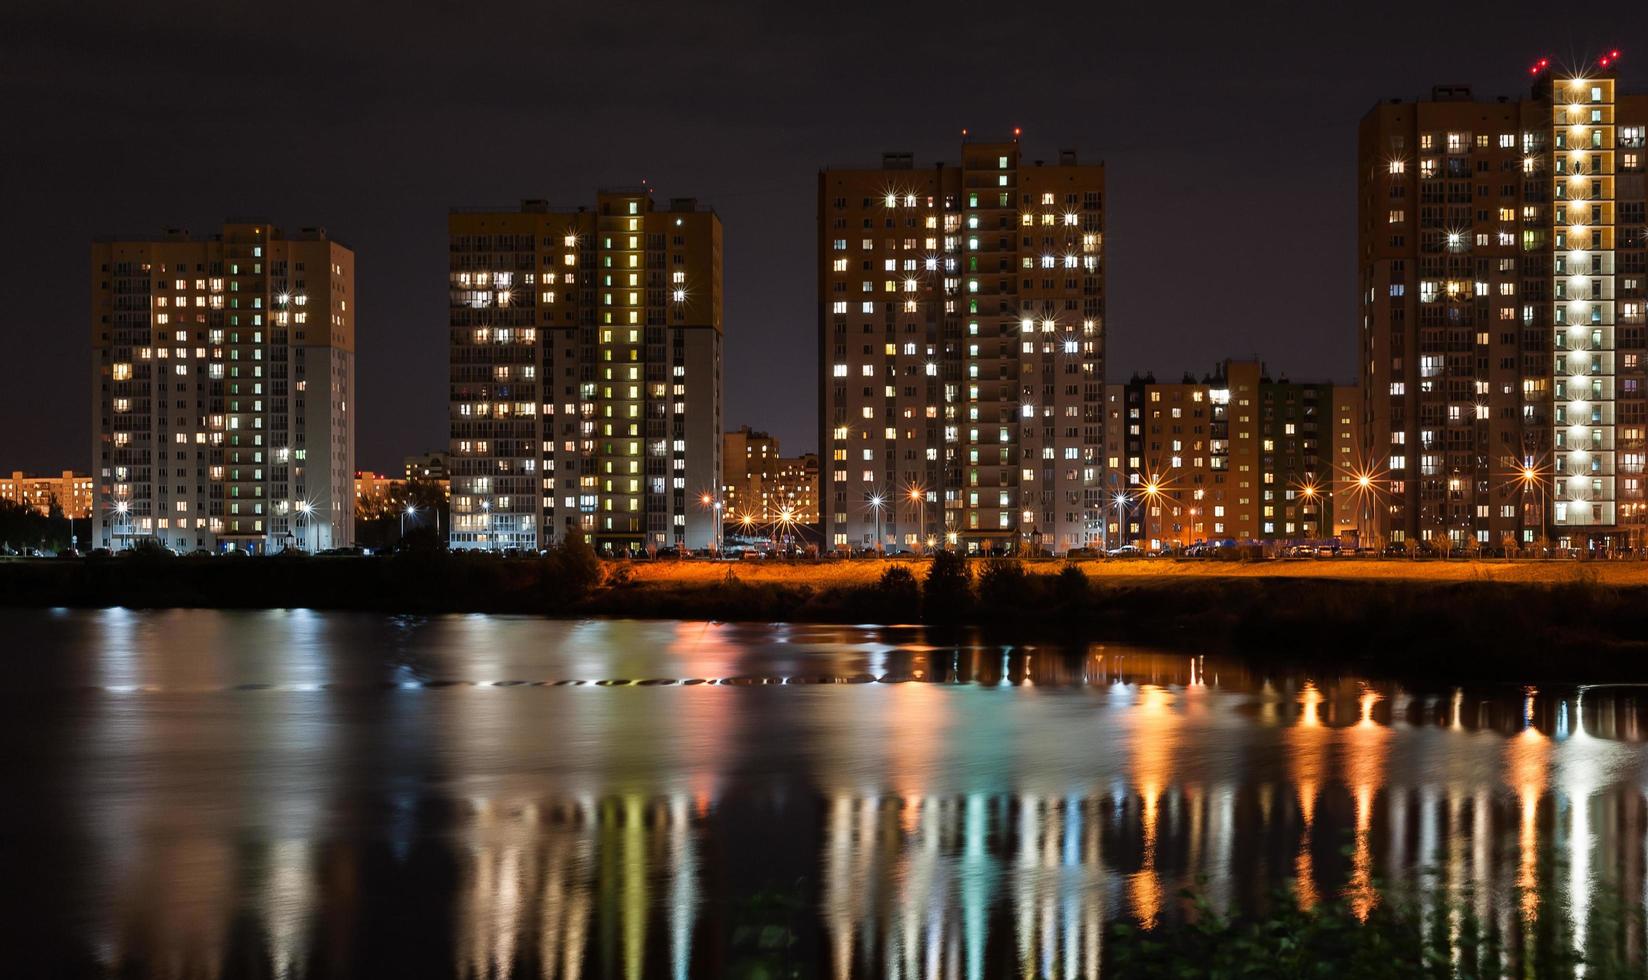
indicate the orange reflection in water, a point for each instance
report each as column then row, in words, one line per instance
column 1365, row 749
column 1527, row 762
column 1308, row 746
column 1155, row 734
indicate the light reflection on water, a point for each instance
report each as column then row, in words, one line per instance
column 204, row 794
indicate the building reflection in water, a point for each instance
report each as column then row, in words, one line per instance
column 978, row 813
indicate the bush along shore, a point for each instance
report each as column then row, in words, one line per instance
column 1570, row 624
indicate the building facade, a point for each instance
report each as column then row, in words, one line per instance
column 1503, row 263
column 961, row 343
column 749, row 467
column 374, row 491
column 1234, row 456
column 429, row 466
column 69, row 493
column 761, row 486
column 223, row 373
column 797, row 487
column 585, row 393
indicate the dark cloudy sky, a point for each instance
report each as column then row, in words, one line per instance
column 1229, row 135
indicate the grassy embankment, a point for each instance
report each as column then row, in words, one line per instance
column 1572, row 618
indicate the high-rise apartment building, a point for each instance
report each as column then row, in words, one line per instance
column 585, row 389
column 1233, row 456
column 1503, row 268
column 223, row 376
column 961, row 342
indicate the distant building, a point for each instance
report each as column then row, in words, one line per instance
column 429, row 466
column 796, row 487
column 1502, row 251
column 749, row 467
column 374, row 490
column 1235, row 455
column 760, row 485
column 1353, row 507
column 223, row 379
column 70, row 493
column 961, row 348
column 585, row 388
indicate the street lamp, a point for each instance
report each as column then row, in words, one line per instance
column 920, row 500
column 1120, row 500
column 120, row 509
column 411, row 510
column 875, row 504
column 786, row 523
column 1529, row 476
column 1308, row 491
column 1152, row 492
column 1364, row 489
column 305, row 508
column 486, row 522
column 713, row 504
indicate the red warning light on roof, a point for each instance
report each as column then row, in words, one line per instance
column 1016, row 132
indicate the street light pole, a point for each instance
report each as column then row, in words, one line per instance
column 305, row 509
column 875, row 504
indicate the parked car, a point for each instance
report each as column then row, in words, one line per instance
column 1126, row 551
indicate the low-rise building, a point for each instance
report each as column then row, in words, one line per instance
column 1233, row 456
column 428, row 466
column 374, row 491
column 69, row 492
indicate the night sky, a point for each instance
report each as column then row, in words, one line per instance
column 1229, row 137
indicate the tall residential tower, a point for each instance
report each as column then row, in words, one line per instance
column 961, row 343
column 223, row 376
column 1503, row 263
column 585, row 390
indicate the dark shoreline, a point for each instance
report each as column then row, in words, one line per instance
column 1477, row 628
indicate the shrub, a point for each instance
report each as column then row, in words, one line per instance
column 1070, row 588
column 1003, row 586
column 898, row 588
column 571, row 571
column 948, row 588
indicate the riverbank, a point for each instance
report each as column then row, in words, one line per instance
column 1548, row 618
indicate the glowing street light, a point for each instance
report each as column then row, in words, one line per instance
column 1309, row 492
column 1120, row 500
column 919, row 498
column 875, row 504
column 785, row 524
column 120, row 509
column 712, row 503
column 411, row 510
column 1529, row 476
column 306, row 508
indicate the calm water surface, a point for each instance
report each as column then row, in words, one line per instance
column 224, row 794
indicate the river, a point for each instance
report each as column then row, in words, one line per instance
column 289, row 793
